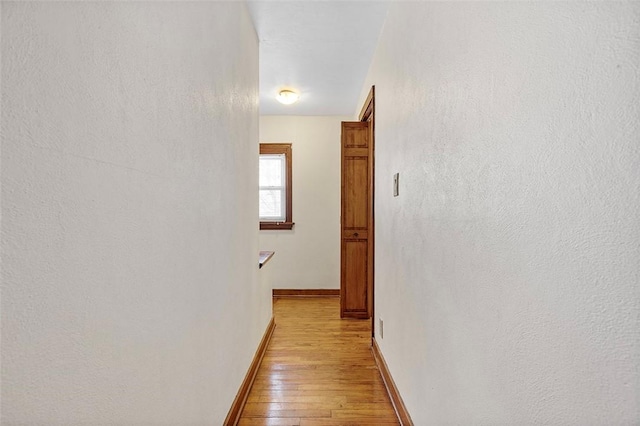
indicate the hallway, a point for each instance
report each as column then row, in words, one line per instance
column 506, row 199
column 318, row 370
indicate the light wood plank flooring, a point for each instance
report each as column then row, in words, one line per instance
column 318, row 370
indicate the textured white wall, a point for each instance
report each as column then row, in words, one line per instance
column 507, row 271
column 308, row 257
column 129, row 239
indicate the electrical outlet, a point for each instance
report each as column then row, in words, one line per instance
column 396, row 178
column 381, row 327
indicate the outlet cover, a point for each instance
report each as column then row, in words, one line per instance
column 381, row 328
column 396, row 179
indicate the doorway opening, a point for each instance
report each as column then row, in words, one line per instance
column 357, row 215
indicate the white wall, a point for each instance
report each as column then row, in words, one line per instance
column 507, row 269
column 308, row 257
column 129, row 205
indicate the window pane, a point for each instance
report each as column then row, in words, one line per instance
column 271, row 205
column 272, row 170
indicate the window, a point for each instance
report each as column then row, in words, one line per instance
column 275, row 186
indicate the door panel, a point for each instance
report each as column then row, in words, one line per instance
column 356, row 219
column 354, row 135
column 355, row 176
column 357, row 234
column 355, row 267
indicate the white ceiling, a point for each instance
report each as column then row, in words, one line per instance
column 322, row 49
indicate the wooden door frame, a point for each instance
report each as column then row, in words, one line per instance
column 368, row 114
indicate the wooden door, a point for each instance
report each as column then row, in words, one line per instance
column 356, row 220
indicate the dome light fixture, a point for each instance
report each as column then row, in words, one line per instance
column 287, row 97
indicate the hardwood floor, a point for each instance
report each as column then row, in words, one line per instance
column 318, row 370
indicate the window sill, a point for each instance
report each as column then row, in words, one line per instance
column 276, row 225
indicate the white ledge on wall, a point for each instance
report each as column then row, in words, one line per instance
column 264, row 257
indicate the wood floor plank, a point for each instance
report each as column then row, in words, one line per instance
column 368, row 412
column 271, row 421
column 318, row 370
column 266, row 412
column 348, row 422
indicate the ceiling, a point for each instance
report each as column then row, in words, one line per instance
column 321, row 49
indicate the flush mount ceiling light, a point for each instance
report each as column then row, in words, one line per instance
column 287, row 97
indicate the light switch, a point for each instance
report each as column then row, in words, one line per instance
column 396, row 177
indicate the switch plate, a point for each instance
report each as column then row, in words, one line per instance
column 396, row 178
